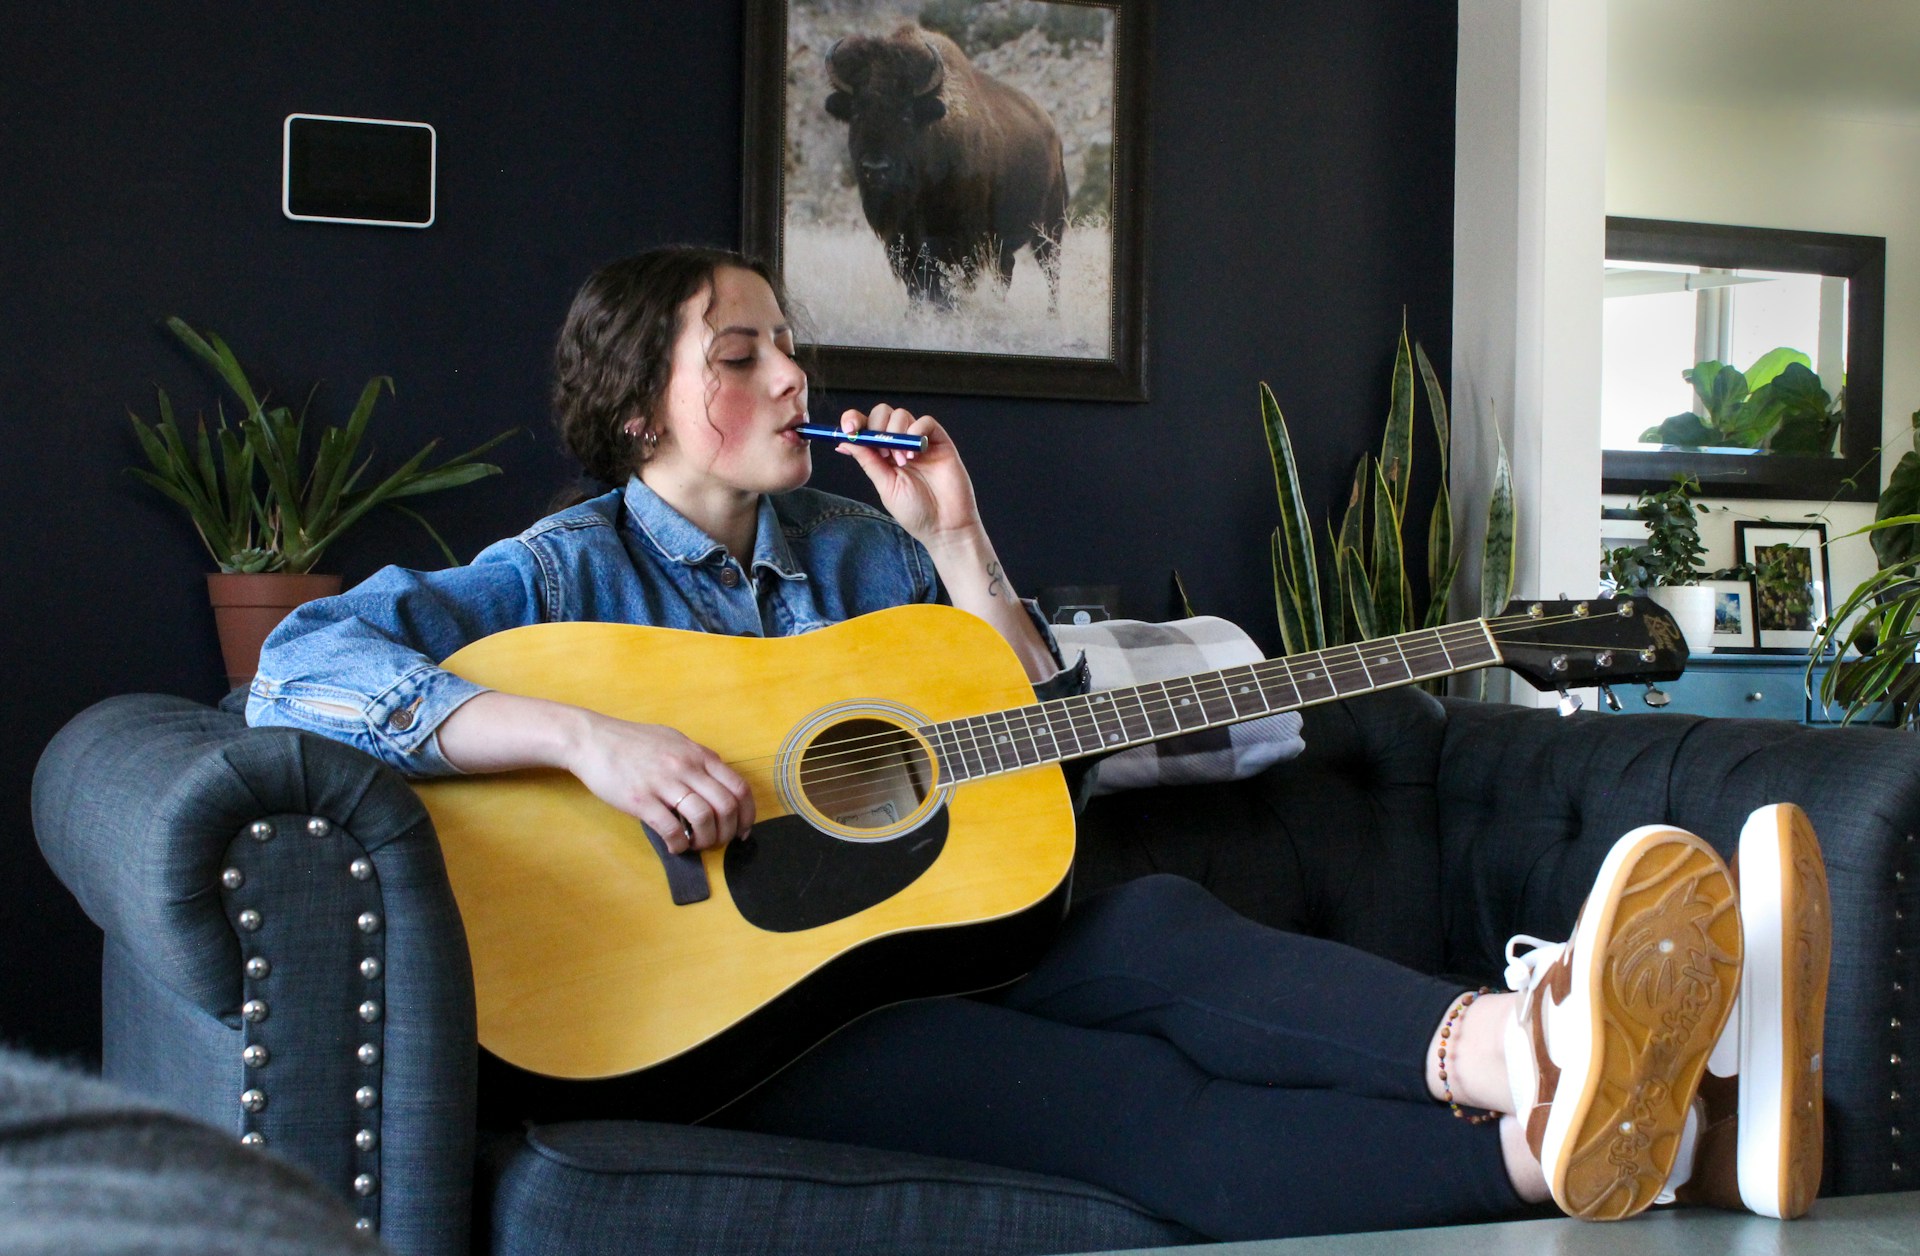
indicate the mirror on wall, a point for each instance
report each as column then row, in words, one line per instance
column 1746, row 357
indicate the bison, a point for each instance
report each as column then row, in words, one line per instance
column 956, row 169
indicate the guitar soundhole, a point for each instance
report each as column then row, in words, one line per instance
column 865, row 776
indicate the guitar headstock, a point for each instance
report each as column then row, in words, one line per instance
column 1600, row 641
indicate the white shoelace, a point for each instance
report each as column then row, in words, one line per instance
column 1523, row 971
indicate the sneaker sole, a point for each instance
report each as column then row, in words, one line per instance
column 1783, row 1010
column 1656, row 967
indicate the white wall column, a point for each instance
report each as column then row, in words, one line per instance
column 1529, row 242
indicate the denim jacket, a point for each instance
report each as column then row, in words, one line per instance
column 363, row 667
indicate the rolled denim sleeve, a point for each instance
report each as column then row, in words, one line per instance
column 1072, row 678
column 364, row 667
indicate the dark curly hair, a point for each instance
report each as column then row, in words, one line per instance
column 615, row 352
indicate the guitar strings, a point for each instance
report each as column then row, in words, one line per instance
column 1341, row 669
column 1214, row 686
column 886, row 751
column 892, row 741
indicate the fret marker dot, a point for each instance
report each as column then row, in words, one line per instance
column 1113, row 736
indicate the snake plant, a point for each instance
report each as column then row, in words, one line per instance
column 273, row 501
column 1358, row 588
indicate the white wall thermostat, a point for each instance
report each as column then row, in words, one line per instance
column 371, row 171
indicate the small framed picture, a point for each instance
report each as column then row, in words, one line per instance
column 1732, row 615
column 1789, row 561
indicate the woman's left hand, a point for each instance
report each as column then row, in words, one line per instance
column 929, row 492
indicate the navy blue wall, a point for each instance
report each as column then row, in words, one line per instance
column 1301, row 184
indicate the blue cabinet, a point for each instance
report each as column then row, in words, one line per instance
column 1749, row 686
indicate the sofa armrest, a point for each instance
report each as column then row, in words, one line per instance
column 284, row 957
column 1531, row 802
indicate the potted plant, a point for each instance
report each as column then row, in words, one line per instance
column 267, row 502
column 1880, row 619
column 1358, row 587
column 1667, row 566
column 1777, row 405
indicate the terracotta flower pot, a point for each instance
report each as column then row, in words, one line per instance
column 247, row 607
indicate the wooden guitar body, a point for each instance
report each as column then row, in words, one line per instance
column 584, row 965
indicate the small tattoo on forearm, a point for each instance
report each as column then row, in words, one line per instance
column 995, row 580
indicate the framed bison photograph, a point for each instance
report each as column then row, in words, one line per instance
column 951, row 190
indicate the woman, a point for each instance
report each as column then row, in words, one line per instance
column 1241, row 1081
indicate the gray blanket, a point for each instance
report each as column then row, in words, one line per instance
column 87, row 1169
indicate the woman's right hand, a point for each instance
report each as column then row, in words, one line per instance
column 683, row 791
column 680, row 789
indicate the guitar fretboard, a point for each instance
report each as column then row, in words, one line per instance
column 1115, row 719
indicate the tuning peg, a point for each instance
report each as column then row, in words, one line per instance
column 1657, row 697
column 1569, row 702
column 1606, row 694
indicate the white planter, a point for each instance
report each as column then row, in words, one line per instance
column 1691, row 606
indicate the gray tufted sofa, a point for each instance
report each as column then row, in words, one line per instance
column 284, row 959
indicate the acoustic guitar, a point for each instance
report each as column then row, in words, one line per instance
column 915, row 834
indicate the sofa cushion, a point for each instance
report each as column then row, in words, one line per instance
column 1125, row 653
column 589, row 1187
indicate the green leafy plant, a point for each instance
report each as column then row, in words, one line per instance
column 1881, row 617
column 272, row 501
column 1672, row 551
column 1778, row 405
column 1359, row 587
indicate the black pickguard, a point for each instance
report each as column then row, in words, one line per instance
column 791, row 876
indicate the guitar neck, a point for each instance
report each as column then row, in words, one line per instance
column 1115, row 719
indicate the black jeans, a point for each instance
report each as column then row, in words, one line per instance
column 1244, row 1082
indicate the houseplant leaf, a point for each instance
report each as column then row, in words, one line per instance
column 1771, row 363
column 1895, row 543
column 1496, row 566
column 1442, row 564
column 1389, row 574
column 1294, row 553
column 1396, row 445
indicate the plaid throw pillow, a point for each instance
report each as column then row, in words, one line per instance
column 1125, row 652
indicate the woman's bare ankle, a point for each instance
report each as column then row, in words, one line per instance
column 1476, row 1054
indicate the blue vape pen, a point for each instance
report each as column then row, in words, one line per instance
column 878, row 440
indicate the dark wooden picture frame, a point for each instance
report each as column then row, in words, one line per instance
column 1862, row 261
column 1119, row 375
column 1791, row 629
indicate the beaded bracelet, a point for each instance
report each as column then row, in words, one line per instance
column 1446, row 1032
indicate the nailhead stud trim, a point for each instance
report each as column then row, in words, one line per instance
column 233, row 878
column 254, row 1010
column 318, row 827
column 360, row 869
column 250, row 920
column 366, row 1140
column 253, row 1138
column 369, row 922
column 366, row 1096
column 258, row 967
column 260, row 831
column 254, row 1100
column 255, row 1056
column 370, row 968
column 365, row 1185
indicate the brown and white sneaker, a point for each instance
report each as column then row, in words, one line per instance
column 1614, row 1026
column 1761, row 1103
